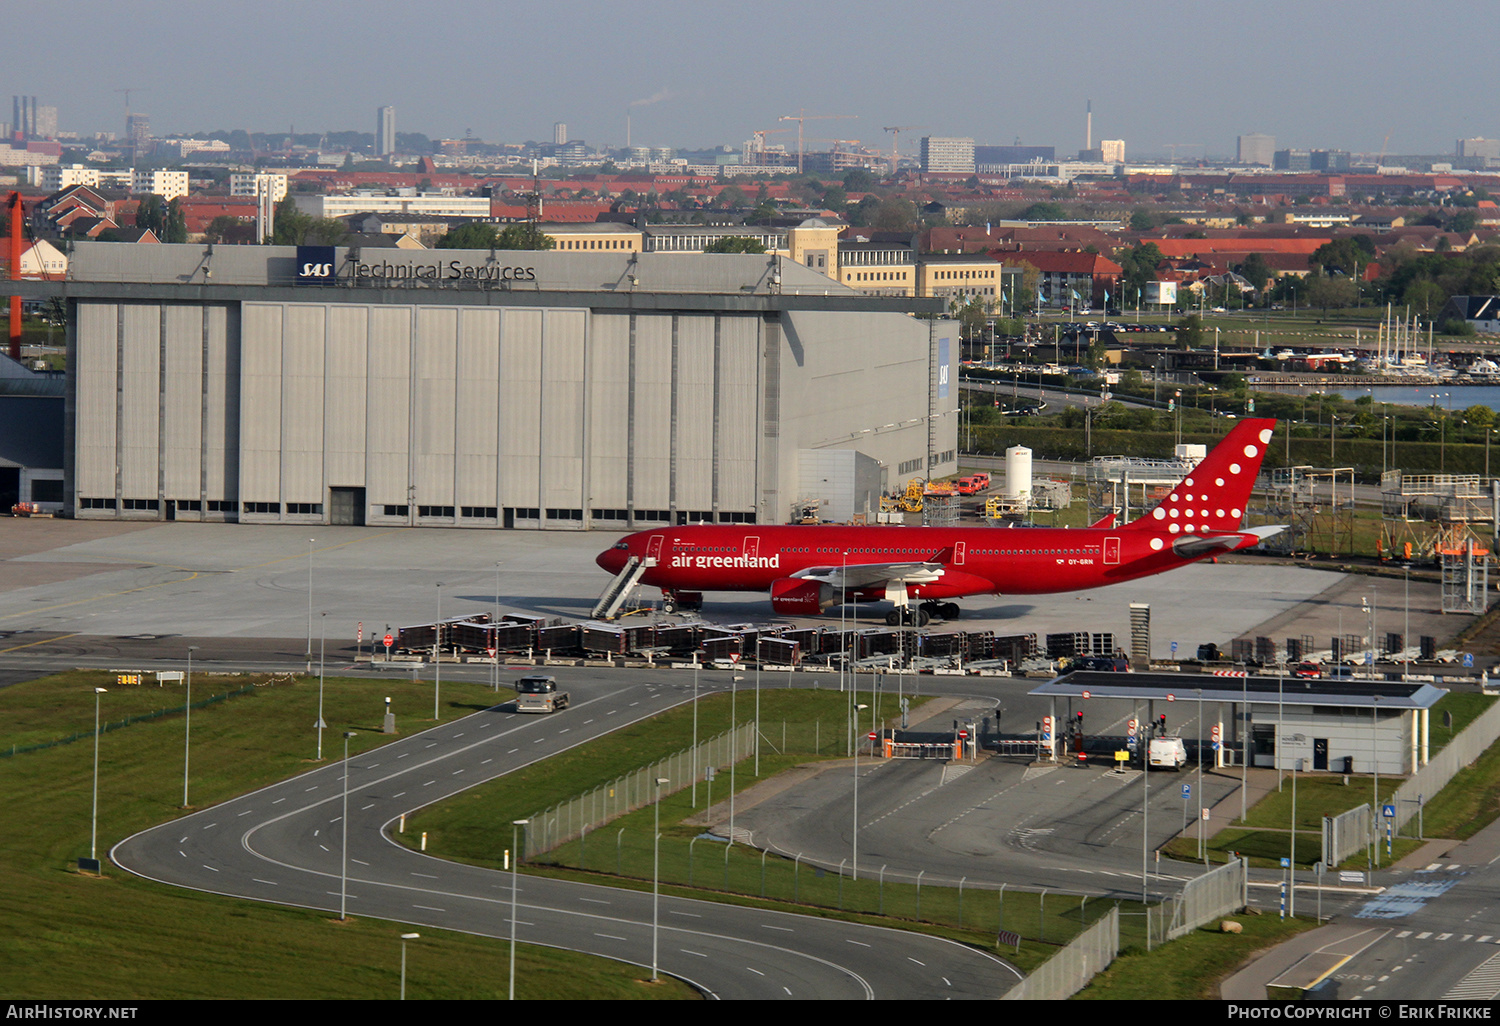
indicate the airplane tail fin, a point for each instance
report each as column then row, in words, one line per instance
column 1213, row 496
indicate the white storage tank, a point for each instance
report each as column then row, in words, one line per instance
column 1018, row 472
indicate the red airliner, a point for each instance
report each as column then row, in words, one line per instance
column 807, row 569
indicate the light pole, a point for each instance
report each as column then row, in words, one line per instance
column 495, row 656
column 322, row 630
column 515, row 861
column 843, row 631
column 309, row 599
column 1375, row 771
column 404, row 938
column 344, row 855
column 855, row 848
column 734, row 748
column 695, row 731
column 94, row 819
column 187, row 725
column 1406, row 629
column 437, row 653
column 656, row 875
column 1202, row 851
column 757, row 706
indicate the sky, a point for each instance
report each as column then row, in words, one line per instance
column 1364, row 77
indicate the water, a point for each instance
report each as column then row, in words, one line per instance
column 1449, row 397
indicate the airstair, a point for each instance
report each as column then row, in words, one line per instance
column 619, row 588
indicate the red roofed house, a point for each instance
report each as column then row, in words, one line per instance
column 1089, row 276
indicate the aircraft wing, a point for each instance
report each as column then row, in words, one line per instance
column 865, row 575
column 1194, row 545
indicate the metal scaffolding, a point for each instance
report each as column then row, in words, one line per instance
column 1429, row 515
column 1129, row 485
column 1316, row 504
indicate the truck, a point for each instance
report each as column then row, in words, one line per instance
column 1166, row 753
column 972, row 484
column 539, row 694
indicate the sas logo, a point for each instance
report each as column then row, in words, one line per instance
column 315, row 263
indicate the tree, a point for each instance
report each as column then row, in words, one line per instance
column 230, row 231
column 732, row 197
column 1141, row 221
column 524, row 236
column 1138, row 266
column 895, row 215
column 151, row 213
column 174, row 224
column 294, row 228
column 858, row 179
column 1482, row 416
column 1335, row 293
column 735, row 244
column 1190, row 332
column 1256, row 271
column 1043, row 211
column 474, row 235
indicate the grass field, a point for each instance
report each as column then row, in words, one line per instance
column 1470, row 802
column 72, row 935
column 799, row 727
column 1192, row 968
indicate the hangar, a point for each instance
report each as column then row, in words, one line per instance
column 314, row 385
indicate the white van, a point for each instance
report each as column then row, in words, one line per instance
column 1166, row 753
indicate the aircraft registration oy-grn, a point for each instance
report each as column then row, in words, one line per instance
column 807, row 569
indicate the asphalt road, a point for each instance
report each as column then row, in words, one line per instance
column 286, row 844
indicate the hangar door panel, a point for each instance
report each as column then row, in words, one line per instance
column 695, row 414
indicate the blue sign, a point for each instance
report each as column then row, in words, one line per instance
column 1174, row 648
column 1187, row 791
column 1388, row 811
column 315, row 265
column 1469, row 660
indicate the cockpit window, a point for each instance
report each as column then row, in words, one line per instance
column 622, row 545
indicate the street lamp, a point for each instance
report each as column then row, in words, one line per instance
column 187, row 724
column 322, row 630
column 515, row 860
column 309, row 599
column 94, row 820
column 404, row 938
column 437, row 653
column 656, row 876
column 344, row 855
column 855, row 847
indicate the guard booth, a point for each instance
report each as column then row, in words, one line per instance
column 1336, row 726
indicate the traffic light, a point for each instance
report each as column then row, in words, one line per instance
column 1161, row 725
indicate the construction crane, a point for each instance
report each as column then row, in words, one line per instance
column 896, row 131
column 800, row 117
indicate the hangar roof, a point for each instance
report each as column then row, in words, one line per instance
column 730, row 282
column 1265, row 690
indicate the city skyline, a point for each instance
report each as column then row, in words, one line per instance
column 1164, row 74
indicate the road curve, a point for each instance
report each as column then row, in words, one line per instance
column 286, row 844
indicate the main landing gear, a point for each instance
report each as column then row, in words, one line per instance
column 905, row 616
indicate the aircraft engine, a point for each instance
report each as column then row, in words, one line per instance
column 793, row 595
